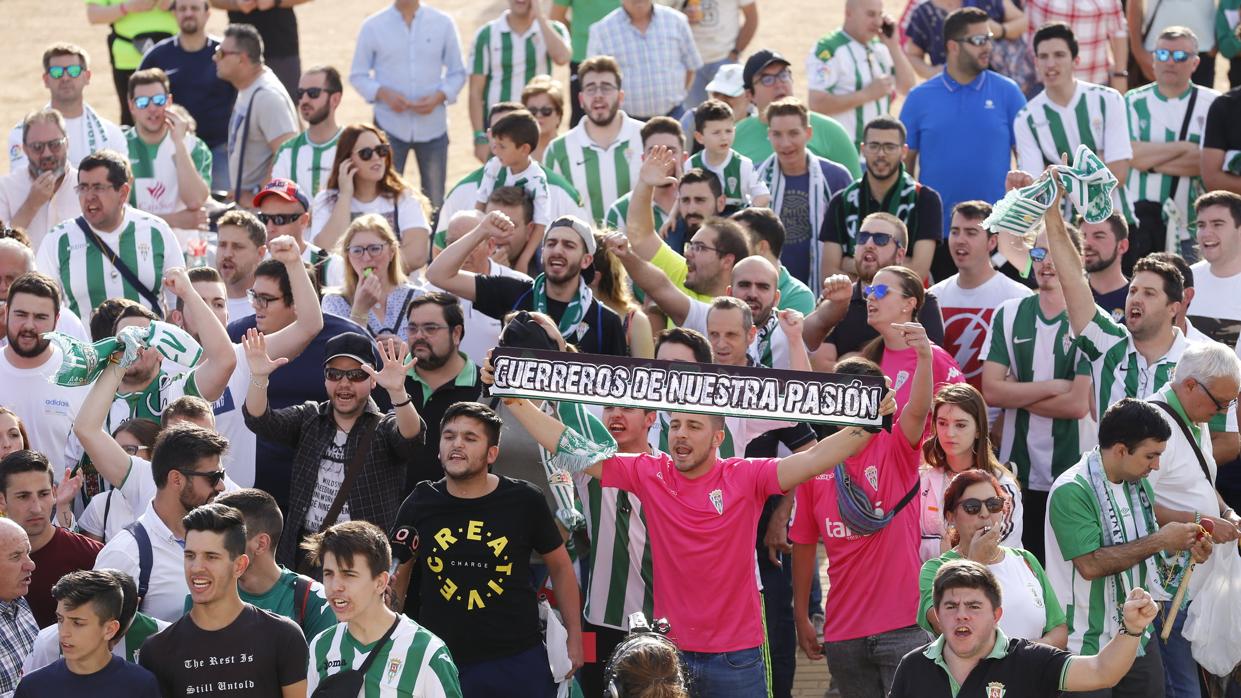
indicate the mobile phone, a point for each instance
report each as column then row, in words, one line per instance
column 888, row 28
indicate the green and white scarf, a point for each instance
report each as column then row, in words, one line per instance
column 819, row 194
column 1232, row 162
column 82, row 363
column 572, row 324
column 901, row 201
column 585, row 441
column 763, row 340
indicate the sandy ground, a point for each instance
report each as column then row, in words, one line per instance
column 327, row 29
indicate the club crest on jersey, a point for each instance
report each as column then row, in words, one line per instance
column 1065, row 342
column 872, row 476
column 732, row 184
column 901, row 377
column 717, row 500
column 394, row 668
column 995, row 689
column 144, row 249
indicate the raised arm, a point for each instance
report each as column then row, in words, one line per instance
column 1109, row 666
column 261, row 368
column 1076, row 289
column 800, row 467
column 836, row 294
column 290, row 341
column 791, row 325
column 392, row 379
column 913, row 418
column 658, row 168
column 653, row 281
column 445, row 270
column 219, row 360
column 105, row 453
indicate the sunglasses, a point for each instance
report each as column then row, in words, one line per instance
column 279, row 218
column 312, row 92
column 878, row 291
column 213, row 477
column 1038, row 254
column 541, row 111
column 976, row 40
column 55, row 145
column 1164, row 55
column 381, row 150
column 57, row 72
column 144, row 102
column 881, row 239
column 972, row 506
column 355, row 375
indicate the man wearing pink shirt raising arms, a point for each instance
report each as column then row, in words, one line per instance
column 701, row 513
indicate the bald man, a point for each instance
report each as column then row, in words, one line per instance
column 18, row 629
column 482, row 332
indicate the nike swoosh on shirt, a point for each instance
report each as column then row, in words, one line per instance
column 1023, row 340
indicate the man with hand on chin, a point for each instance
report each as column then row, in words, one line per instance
column 974, row 657
column 326, row 435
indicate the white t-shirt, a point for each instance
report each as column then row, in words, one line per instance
column 47, row 410
column 407, row 212
column 1216, row 308
column 15, row 187
column 716, row 34
column 239, row 308
column 88, row 133
column 167, row 589
column 328, row 483
column 1025, row 610
column 967, row 316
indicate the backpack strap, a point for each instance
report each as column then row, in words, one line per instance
column 301, row 598
column 146, row 557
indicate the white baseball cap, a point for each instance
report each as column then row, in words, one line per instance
column 727, row 81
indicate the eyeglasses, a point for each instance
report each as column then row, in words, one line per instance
column 57, row 72
column 972, row 506
column 1219, row 406
column 134, row 449
column 600, row 89
column 698, row 248
column 428, row 329
column 373, row 250
column 312, row 92
column 366, row 154
column 55, row 145
column 355, row 375
column 213, row 477
column 160, row 100
column 542, row 111
column 279, row 218
column 886, row 148
column 772, row 78
column 878, row 291
column 261, row 301
column 880, row 239
column 1038, row 254
column 977, row 39
column 93, row 188
column 1164, row 55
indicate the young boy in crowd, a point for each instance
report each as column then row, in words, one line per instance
column 714, row 130
column 513, row 137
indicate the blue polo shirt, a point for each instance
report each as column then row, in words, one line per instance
column 963, row 135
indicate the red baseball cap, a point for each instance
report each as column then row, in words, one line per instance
column 285, row 189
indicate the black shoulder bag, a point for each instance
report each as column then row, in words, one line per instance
column 350, row 682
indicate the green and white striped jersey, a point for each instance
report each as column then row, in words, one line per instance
column 143, row 241
column 563, row 199
column 602, row 173
column 622, row 569
column 155, row 188
column 1119, row 371
column 1074, row 527
column 509, row 60
column 1037, row 348
column 841, row 65
column 737, row 177
column 618, row 214
column 412, row 663
column 305, row 162
column 1095, row 116
column 1153, row 118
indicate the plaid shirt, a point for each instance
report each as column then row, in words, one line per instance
column 309, row 429
column 17, row 632
column 1094, row 23
column 653, row 63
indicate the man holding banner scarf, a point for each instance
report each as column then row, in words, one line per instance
column 561, row 291
column 696, row 504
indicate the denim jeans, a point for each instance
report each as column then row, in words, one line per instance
column 865, row 666
column 698, row 91
column 726, row 674
column 432, row 157
column 1180, row 672
column 526, row 674
column 781, row 630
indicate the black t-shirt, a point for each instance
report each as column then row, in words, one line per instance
column 1112, row 302
column 476, row 592
column 1223, row 128
column 497, row 296
column 117, row 679
column 853, row 333
column 254, row 656
column 1028, row 669
column 426, row 465
column 928, row 218
column 277, row 26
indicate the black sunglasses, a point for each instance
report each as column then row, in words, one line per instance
column 541, row 111
column 881, row 239
column 213, row 477
column 972, row 506
column 381, row 150
column 312, row 92
column 355, row 375
column 279, row 218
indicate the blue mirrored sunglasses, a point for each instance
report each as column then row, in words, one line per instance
column 144, row 102
column 878, row 291
column 1038, row 254
column 1163, row 55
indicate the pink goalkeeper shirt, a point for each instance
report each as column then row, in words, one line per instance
column 873, row 578
column 702, row 539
